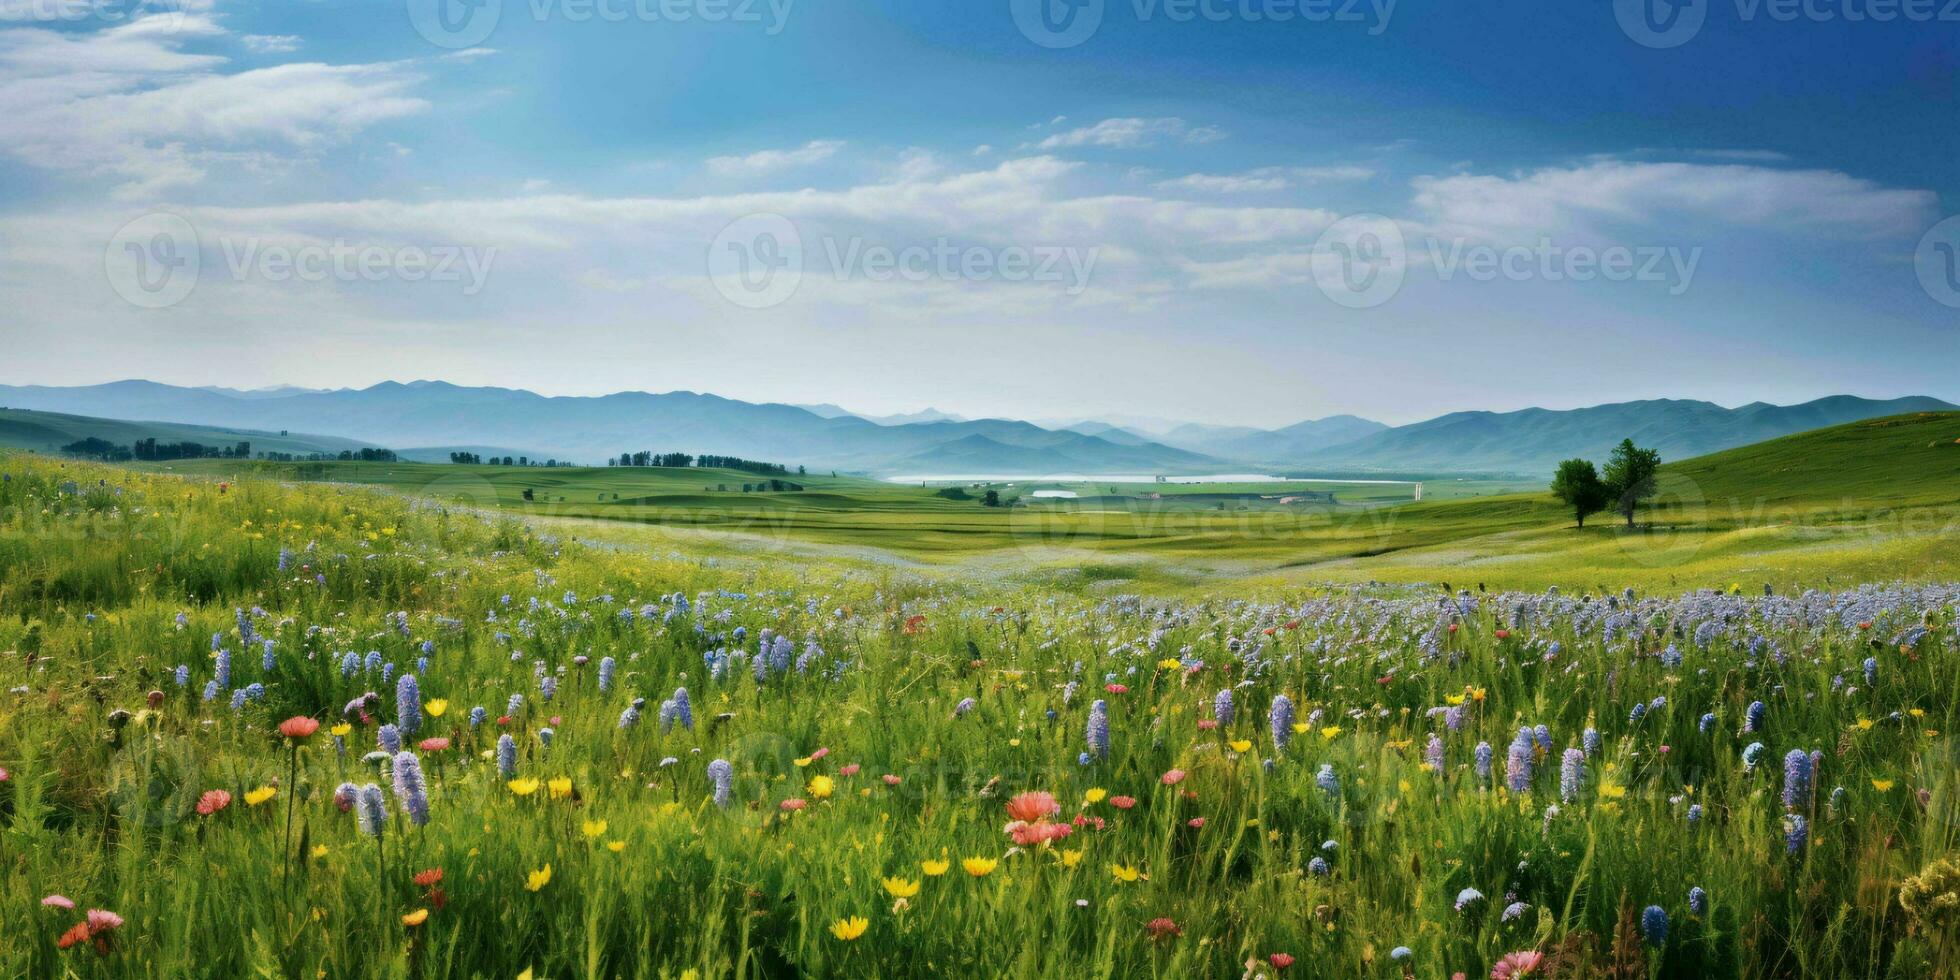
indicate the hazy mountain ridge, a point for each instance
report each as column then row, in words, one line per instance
column 591, row 429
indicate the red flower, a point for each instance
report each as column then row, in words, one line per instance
column 1207, row 724
column 1122, row 802
column 433, row 744
column 1085, row 820
column 1502, row 634
column 1117, row 689
column 76, row 934
column 298, row 727
column 1163, row 927
column 1033, row 806
column 794, row 804
column 1173, row 777
column 913, row 623
column 1195, row 822
column 424, row 879
column 1280, row 961
column 212, row 801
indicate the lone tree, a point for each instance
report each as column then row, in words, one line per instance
column 1579, row 486
column 1630, row 475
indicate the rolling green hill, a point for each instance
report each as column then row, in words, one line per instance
column 49, row 431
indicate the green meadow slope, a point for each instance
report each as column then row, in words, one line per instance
column 1877, row 499
column 49, row 431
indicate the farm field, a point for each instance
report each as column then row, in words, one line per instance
column 579, row 746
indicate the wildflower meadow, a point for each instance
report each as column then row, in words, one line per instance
column 253, row 728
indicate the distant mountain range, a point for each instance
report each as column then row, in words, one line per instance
column 434, row 414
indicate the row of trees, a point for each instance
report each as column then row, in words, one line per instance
column 476, row 459
column 644, row 458
column 150, row 450
column 1629, row 478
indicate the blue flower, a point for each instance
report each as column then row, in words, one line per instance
column 1572, row 775
column 507, row 756
column 1097, row 732
column 1796, row 778
column 410, row 790
column 1697, row 901
column 1280, row 720
column 1752, row 720
column 1222, row 707
column 606, row 667
column 723, row 776
column 390, row 739
column 1653, row 925
column 371, row 810
column 1467, row 898
column 408, row 704
column 1796, row 832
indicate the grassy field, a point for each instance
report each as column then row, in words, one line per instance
column 48, row 431
column 895, row 770
column 1869, row 501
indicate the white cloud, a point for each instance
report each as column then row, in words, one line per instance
column 1264, row 179
column 128, row 103
column 768, row 162
column 1131, row 133
column 271, row 43
column 1674, row 196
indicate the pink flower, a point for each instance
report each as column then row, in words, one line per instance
column 1207, row 724
column 794, row 804
column 892, row 780
column 1195, row 822
column 1033, row 806
column 1117, row 689
column 1163, row 927
column 58, row 902
column 103, row 920
column 212, row 801
column 850, row 770
column 1122, row 802
column 1173, row 777
column 434, row 744
column 1523, row 963
column 1280, row 961
column 819, row 753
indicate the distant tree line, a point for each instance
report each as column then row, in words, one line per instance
column 476, row 459
column 150, row 450
column 1630, row 477
column 644, row 458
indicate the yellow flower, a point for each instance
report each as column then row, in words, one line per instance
column 260, row 795
column 1612, row 791
column 800, row 763
column 595, row 828
column 979, row 867
column 1301, row 727
column 523, row 787
column 1124, row 873
column 900, row 888
column 849, row 929
column 538, row 879
column 1071, row 858
column 615, row 846
column 1240, row 745
column 1881, row 785
column 1453, row 699
column 1168, row 663
column 1330, row 732
column 1476, row 694
column 560, row 788
column 416, row 917
column 1917, row 712
column 343, row 730
column 934, row 869
column 319, row 851
column 436, row 707
column 1864, row 724
column 1095, row 795
column 820, row 787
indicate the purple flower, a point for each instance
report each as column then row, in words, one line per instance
column 410, row 789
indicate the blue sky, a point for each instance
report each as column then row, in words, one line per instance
column 1187, row 186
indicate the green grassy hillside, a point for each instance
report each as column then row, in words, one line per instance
column 49, row 431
